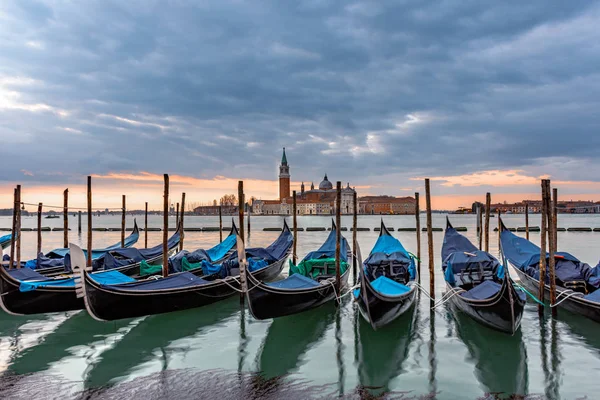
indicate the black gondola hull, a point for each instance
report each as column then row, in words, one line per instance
column 380, row 310
column 267, row 302
column 108, row 304
column 38, row 301
column 502, row 312
column 574, row 304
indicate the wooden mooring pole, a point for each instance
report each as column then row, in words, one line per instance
column 295, row 226
column 39, row 230
column 18, row 226
column 555, row 213
column 177, row 215
column 488, row 205
column 430, row 241
column 241, row 208
column 527, row 220
column 479, row 225
column 354, row 238
column 123, row 211
column 89, row 221
column 544, row 229
column 241, row 222
column 13, row 236
column 79, row 221
column 418, row 226
column 220, row 223
column 552, row 244
column 338, row 237
column 146, row 226
column 165, row 246
column 66, row 218
column 181, row 221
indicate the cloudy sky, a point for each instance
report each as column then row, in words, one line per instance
column 478, row 96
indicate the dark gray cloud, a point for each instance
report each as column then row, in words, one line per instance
column 371, row 92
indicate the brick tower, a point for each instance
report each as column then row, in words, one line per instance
column 284, row 178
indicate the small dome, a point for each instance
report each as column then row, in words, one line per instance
column 325, row 184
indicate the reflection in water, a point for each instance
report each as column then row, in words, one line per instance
column 20, row 334
column 380, row 354
column 582, row 329
column 153, row 334
column 500, row 359
column 552, row 369
column 289, row 338
column 339, row 346
column 78, row 330
column 432, row 356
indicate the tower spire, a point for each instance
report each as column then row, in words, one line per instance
column 284, row 158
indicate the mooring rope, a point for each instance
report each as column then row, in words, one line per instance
column 528, row 293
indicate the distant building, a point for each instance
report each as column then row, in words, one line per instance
column 386, row 205
column 321, row 201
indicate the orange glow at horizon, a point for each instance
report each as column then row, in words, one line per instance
column 145, row 186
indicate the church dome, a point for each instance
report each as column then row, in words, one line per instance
column 325, row 184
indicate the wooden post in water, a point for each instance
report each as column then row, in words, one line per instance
column 146, row 226
column 18, row 226
column 338, row 237
column 488, row 205
column 89, row 221
column 430, row 241
column 544, row 229
column 354, row 238
column 295, row 225
column 241, row 222
column 552, row 244
column 165, row 260
column 499, row 231
column 418, row 226
column 555, row 213
column 13, row 236
column 39, row 230
column 479, row 225
column 79, row 221
column 249, row 214
column 66, row 218
column 526, row 220
column 177, row 215
column 123, row 209
column 241, row 207
column 220, row 223
column 181, row 220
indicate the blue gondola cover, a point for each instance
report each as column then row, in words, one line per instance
column 296, row 281
column 483, row 291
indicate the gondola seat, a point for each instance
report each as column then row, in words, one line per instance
column 295, row 281
column 482, row 291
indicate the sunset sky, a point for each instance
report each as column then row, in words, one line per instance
column 478, row 96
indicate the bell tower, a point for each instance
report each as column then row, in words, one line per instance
column 284, row 178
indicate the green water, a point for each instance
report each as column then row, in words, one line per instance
column 220, row 351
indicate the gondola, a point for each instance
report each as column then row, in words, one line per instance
column 387, row 281
column 309, row 284
column 5, row 241
column 25, row 291
column 57, row 261
column 479, row 285
column 182, row 290
column 577, row 284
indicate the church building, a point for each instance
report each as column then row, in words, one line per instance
column 320, row 201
